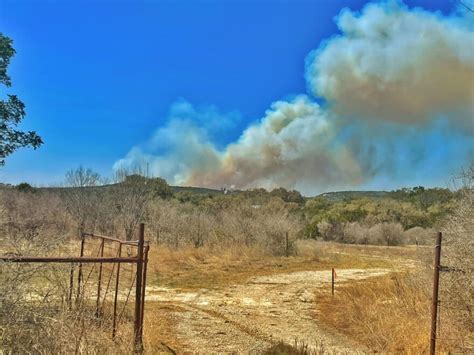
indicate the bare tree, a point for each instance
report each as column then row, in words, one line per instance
column 83, row 198
column 131, row 195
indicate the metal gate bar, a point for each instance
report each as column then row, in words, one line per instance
column 141, row 260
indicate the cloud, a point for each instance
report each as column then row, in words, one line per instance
column 398, row 93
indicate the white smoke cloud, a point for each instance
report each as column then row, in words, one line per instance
column 394, row 64
column 293, row 146
column 391, row 76
column 181, row 146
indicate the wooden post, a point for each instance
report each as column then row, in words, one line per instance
column 287, row 247
column 435, row 300
column 138, row 290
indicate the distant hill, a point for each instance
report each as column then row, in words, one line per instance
column 175, row 189
column 349, row 195
column 335, row 196
column 195, row 190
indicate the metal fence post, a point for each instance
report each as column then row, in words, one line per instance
column 140, row 259
column 434, row 305
column 138, row 290
column 99, row 281
column 332, row 281
column 117, row 282
column 145, row 266
column 79, row 273
column 71, row 286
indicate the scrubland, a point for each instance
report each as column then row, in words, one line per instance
column 244, row 265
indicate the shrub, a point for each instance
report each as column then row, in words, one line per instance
column 25, row 187
column 457, row 287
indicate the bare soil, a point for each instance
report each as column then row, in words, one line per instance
column 249, row 316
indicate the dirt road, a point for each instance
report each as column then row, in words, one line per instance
column 249, row 317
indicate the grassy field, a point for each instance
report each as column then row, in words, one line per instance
column 194, row 268
column 385, row 314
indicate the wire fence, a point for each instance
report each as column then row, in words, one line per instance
column 105, row 282
column 444, row 308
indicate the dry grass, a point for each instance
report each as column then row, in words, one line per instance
column 409, row 252
column 298, row 348
column 389, row 314
column 194, row 268
column 159, row 329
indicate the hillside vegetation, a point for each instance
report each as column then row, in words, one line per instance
column 211, row 239
column 405, row 216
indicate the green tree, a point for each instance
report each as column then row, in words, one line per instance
column 287, row 196
column 132, row 194
column 156, row 186
column 12, row 110
column 25, row 187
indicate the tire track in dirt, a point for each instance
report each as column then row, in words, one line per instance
column 250, row 317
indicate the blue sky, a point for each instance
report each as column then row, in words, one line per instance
column 98, row 77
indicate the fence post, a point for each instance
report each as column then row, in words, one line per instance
column 332, row 281
column 138, row 290
column 287, row 245
column 434, row 305
column 117, row 283
column 71, row 286
column 99, row 281
column 79, row 273
column 145, row 266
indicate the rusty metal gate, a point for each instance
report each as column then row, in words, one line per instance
column 105, row 278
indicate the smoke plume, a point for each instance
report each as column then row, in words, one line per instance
column 393, row 80
column 394, row 64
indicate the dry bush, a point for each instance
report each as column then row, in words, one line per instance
column 392, row 314
column 457, row 286
column 331, row 231
column 390, row 234
column 163, row 220
column 131, row 196
column 374, row 231
column 389, row 314
column 309, row 248
column 45, row 329
column 419, row 236
column 31, row 223
column 184, row 224
column 34, row 317
column 298, row 348
column 81, row 200
column 178, row 225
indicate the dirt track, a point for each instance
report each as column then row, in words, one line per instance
column 249, row 317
